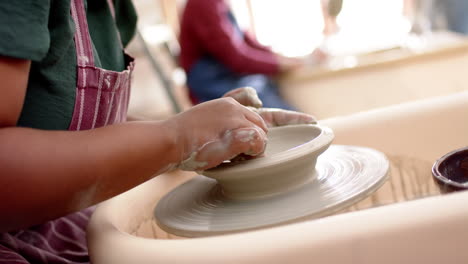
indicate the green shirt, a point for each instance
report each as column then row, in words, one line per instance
column 42, row 31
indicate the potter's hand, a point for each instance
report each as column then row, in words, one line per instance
column 215, row 131
column 247, row 96
column 280, row 117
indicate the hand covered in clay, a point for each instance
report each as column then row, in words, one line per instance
column 247, row 96
column 215, row 131
column 279, row 117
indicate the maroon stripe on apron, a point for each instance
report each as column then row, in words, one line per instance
column 102, row 96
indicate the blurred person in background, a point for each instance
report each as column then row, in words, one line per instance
column 432, row 15
column 218, row 55
column 330, row 10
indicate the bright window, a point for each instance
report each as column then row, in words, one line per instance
column 294, row 27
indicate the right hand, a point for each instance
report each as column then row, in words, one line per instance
column 215, row 131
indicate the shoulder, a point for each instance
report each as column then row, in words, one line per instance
column 126, row 17
column 24, row 29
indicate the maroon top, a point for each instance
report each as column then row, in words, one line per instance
column 207, row 30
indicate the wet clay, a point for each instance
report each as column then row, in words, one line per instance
column 289, row 184
column 343, row 176
column 198, row 159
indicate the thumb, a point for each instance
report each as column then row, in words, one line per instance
column 279, row 117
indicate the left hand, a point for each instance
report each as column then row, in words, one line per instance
column 248, row 97
column 274, row 117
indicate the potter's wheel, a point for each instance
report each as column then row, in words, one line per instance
column 342, row 176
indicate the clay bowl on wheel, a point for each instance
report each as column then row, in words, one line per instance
column 289, row 161
column 293, row 181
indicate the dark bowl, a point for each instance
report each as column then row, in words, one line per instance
column 451, row 171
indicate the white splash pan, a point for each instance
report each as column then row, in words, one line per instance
column 429, row 230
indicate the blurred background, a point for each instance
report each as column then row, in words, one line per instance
column 381, row 52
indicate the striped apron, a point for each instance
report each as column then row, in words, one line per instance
column 101, row 95
column 101, row 99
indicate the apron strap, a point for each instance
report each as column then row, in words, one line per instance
column 111, row 7
column 84, row 47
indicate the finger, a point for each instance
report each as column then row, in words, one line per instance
column 251, row 114
column 246, row 96
column 250, row 141
column 279, row 117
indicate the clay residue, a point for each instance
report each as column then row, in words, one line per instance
column 245, row 135
column 199, row 158
column 191, row 164
column 247, row 96
column 252, row 96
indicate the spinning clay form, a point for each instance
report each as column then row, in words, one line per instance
column 290, row 183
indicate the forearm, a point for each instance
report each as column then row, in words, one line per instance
column 250, row 60
column 46, row 174
column 252, row 42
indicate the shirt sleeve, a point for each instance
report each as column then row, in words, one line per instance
column 24, row 29
column 252, row 42
column 220, row 39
